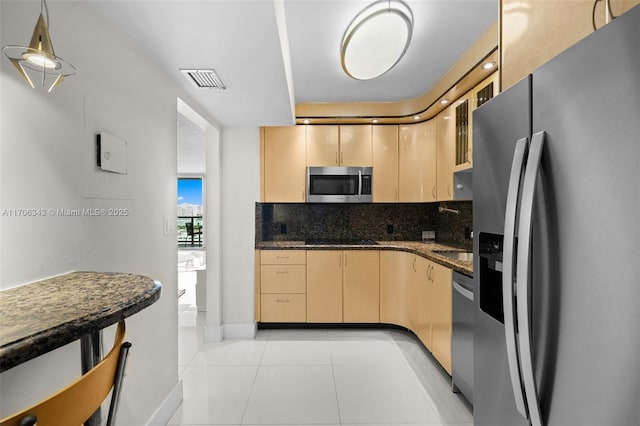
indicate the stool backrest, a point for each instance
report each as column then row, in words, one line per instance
column 74, row 404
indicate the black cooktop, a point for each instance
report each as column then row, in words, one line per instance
column 339, row 242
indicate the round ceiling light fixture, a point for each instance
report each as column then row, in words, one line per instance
column 376, row 39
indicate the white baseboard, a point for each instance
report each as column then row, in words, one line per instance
column 212, row 333
column 240, row 331
column 165, row 411
column 218, row 333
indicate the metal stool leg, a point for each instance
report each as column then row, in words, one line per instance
column 91, row 355
column 117, row 384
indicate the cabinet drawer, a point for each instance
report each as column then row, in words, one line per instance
column 283, row 257
column 283, row 279
column 283, row 308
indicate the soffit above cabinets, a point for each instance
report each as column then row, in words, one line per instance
column 274, row 55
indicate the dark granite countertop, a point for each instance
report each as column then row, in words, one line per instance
column 42, row 316
column 426, row 250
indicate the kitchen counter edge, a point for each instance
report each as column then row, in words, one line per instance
column 427, row 250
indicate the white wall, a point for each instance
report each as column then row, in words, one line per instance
column 240, row 191
column 47, row 162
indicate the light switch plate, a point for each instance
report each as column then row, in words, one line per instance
column 169, row 225
column 112, row 153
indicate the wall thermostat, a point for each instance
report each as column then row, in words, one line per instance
column 111, row 153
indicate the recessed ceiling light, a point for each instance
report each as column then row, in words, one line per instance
column 306, row 121
column 488, row 65
column 416, row 117
column 444, row 101
column 374, row 121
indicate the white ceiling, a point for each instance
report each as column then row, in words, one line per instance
column 240, row 40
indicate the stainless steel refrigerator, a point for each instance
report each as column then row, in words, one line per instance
column 557, row 240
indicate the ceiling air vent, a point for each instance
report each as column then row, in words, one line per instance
column 204, row 79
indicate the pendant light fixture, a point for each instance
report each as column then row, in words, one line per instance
column 38, row 60
column 376, row 39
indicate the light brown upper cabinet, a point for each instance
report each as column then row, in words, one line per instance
column 385, row 164
column 481, row 93
column 462, row 132
column 333, row 145
column 417, row 162
column 446, row 123
column 283, row 169
column 484, row 91
column 323, row 145
column 533, row 32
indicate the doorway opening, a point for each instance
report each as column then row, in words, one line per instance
column 191, row 207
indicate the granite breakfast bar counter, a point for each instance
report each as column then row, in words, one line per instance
column 42, row 316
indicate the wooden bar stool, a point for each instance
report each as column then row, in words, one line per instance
column 74, row 404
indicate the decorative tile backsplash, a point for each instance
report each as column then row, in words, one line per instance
column 376, row 221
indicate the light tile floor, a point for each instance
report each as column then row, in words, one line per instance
column 312, row 377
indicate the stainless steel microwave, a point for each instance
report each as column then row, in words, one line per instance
column 339, row 184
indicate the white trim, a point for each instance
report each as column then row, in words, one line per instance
column 240, row 331
column 168, row 407
column 212, row 333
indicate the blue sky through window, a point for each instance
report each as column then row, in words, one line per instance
column 190, row 191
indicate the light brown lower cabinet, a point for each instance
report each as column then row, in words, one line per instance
column 359, row 286
column 416, row 293
column 283, row 286
column 424, row 301
column 395, row 293
column 343, row 286
column 258, row 280
column 324, row 286
column 283, row 307
column 441, row 314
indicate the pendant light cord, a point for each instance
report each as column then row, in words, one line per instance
column 44, row 8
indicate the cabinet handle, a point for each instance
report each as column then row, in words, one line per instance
column 282, row 272
column 282, row 300
column 336, row 157
column 282, row 257
column 429, row 273
column 433, row 191
column 449, row 190
column 414, row 265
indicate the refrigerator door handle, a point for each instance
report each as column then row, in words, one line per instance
column 508, row 260
column 523, row 275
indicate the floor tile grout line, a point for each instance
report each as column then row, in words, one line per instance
column 335, row 382
column 255, row 378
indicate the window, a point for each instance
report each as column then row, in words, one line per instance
column 190, row 225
